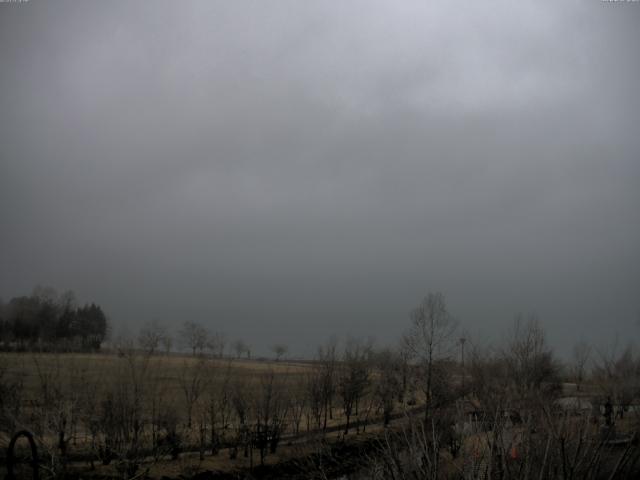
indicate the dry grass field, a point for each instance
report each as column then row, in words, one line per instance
column 172, row 414
column 65, row 370
column 132, row 415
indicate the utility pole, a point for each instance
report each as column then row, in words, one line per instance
column 462, row 340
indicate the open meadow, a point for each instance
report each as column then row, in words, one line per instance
column 361, row 412
column 117, row 413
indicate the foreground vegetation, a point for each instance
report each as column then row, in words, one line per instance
column 421, row 410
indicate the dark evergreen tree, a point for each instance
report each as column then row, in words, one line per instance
column 43, row 320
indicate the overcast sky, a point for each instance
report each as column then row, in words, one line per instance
column 286, row 170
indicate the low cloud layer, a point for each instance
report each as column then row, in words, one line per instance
column 286, row 171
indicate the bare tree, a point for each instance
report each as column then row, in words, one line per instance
column 54, row 411
column 618, row 376
column 163, row 417
column 242, row 409
column 529, row 358
column 279, row 350
column 219, row 405
column 386, row 382
column 194, row 337
column 193, row 382
column 270, row 409
column 167, row 343
column 328, row 361
column 11, row 396
column 354, row 378
column 316, row 398
column 120, row 419
column 412, row 452
column 216, row 344
column 488, row 378
column 299, row 402
column 241, row 348
column 151, row 336
column 403, row 359
column 580, row 356
column 430, row 338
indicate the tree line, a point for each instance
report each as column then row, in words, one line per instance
column 46, row 320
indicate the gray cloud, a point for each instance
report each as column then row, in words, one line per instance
column 286, row 171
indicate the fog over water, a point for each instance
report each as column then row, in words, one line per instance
column 284, row 171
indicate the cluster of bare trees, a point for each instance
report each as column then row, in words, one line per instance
column 617, row 375
column 429, row 342
column 504, row 413
column 143, row 407
column 154, row 337
column 495, row 415
column 508, row 420
column 193, row 337
column 130, row 414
